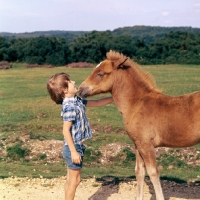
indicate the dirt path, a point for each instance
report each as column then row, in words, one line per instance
column 52, row 189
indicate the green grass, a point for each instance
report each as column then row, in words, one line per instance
column 25, row 106
column 176, row 79
column 25, row 169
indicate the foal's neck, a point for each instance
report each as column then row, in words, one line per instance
column 128, row 91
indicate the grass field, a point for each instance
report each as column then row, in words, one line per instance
column 25, row 106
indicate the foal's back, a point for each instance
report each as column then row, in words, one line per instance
column 172, row 121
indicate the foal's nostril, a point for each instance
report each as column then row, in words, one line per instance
column 83, row 92
column 79, row 91
column 85, row 96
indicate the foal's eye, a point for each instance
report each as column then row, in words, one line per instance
column 100, row 74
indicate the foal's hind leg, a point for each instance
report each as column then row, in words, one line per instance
column 140, row 173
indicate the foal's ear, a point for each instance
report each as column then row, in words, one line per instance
column 119, row 64
column 122, row 66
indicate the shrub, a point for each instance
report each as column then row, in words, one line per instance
column 43, row 156
column 16, row 152
column 91, row 155
column 5, row 65
column 167, row 160
column 80, row 65
column 126, row 157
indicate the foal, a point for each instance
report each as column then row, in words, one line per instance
column 151, row 119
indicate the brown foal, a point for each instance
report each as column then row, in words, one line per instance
column 151, row 119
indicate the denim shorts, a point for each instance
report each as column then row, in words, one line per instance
column 67, row 156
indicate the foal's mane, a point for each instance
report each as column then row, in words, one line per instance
column 138, row 73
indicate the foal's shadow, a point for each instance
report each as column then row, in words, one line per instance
column 110, row 185
column 171, row 188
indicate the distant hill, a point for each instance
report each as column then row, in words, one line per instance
column 151, row 33
column 147, row 33
column 70, row 35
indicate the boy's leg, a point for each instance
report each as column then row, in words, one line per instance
column 73, row 180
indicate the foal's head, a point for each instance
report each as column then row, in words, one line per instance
column 102, row 78
column 105, row 75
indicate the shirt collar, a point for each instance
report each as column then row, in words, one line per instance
column 68, row 100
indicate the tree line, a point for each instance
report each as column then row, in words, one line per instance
column 175, row 47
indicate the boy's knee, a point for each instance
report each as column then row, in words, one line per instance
column 78, row 180
column 73, row 178
column 74, row 184
column 75, row 181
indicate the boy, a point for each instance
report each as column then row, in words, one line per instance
column 76, row 128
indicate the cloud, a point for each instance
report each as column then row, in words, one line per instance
column 165, row 13
column 197, row 7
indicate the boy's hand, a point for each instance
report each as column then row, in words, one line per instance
column 76, row 158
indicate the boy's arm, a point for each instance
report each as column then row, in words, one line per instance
column 99, row 102
column 76, row 158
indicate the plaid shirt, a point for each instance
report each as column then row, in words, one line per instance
column 73, row 109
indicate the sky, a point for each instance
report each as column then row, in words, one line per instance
column 18, row 16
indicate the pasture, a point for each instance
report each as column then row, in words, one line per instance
column 25, row 106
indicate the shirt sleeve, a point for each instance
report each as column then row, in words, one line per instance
column 69, row 114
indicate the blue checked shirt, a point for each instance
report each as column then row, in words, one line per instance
column 73, row 109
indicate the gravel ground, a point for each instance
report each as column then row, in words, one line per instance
column 107, row 188
column 51, row 189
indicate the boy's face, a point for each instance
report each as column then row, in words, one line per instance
column 72, row 90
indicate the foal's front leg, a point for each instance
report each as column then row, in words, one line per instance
column 147, row 152
column 140, row 173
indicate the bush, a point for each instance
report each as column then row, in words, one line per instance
column 5, row 65
column 126, row 157
column 91, row 155
column 167, row 160
column 80, row 65
column 16, row 152
column 43, row 156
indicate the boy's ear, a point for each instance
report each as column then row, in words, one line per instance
column 65, row 91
